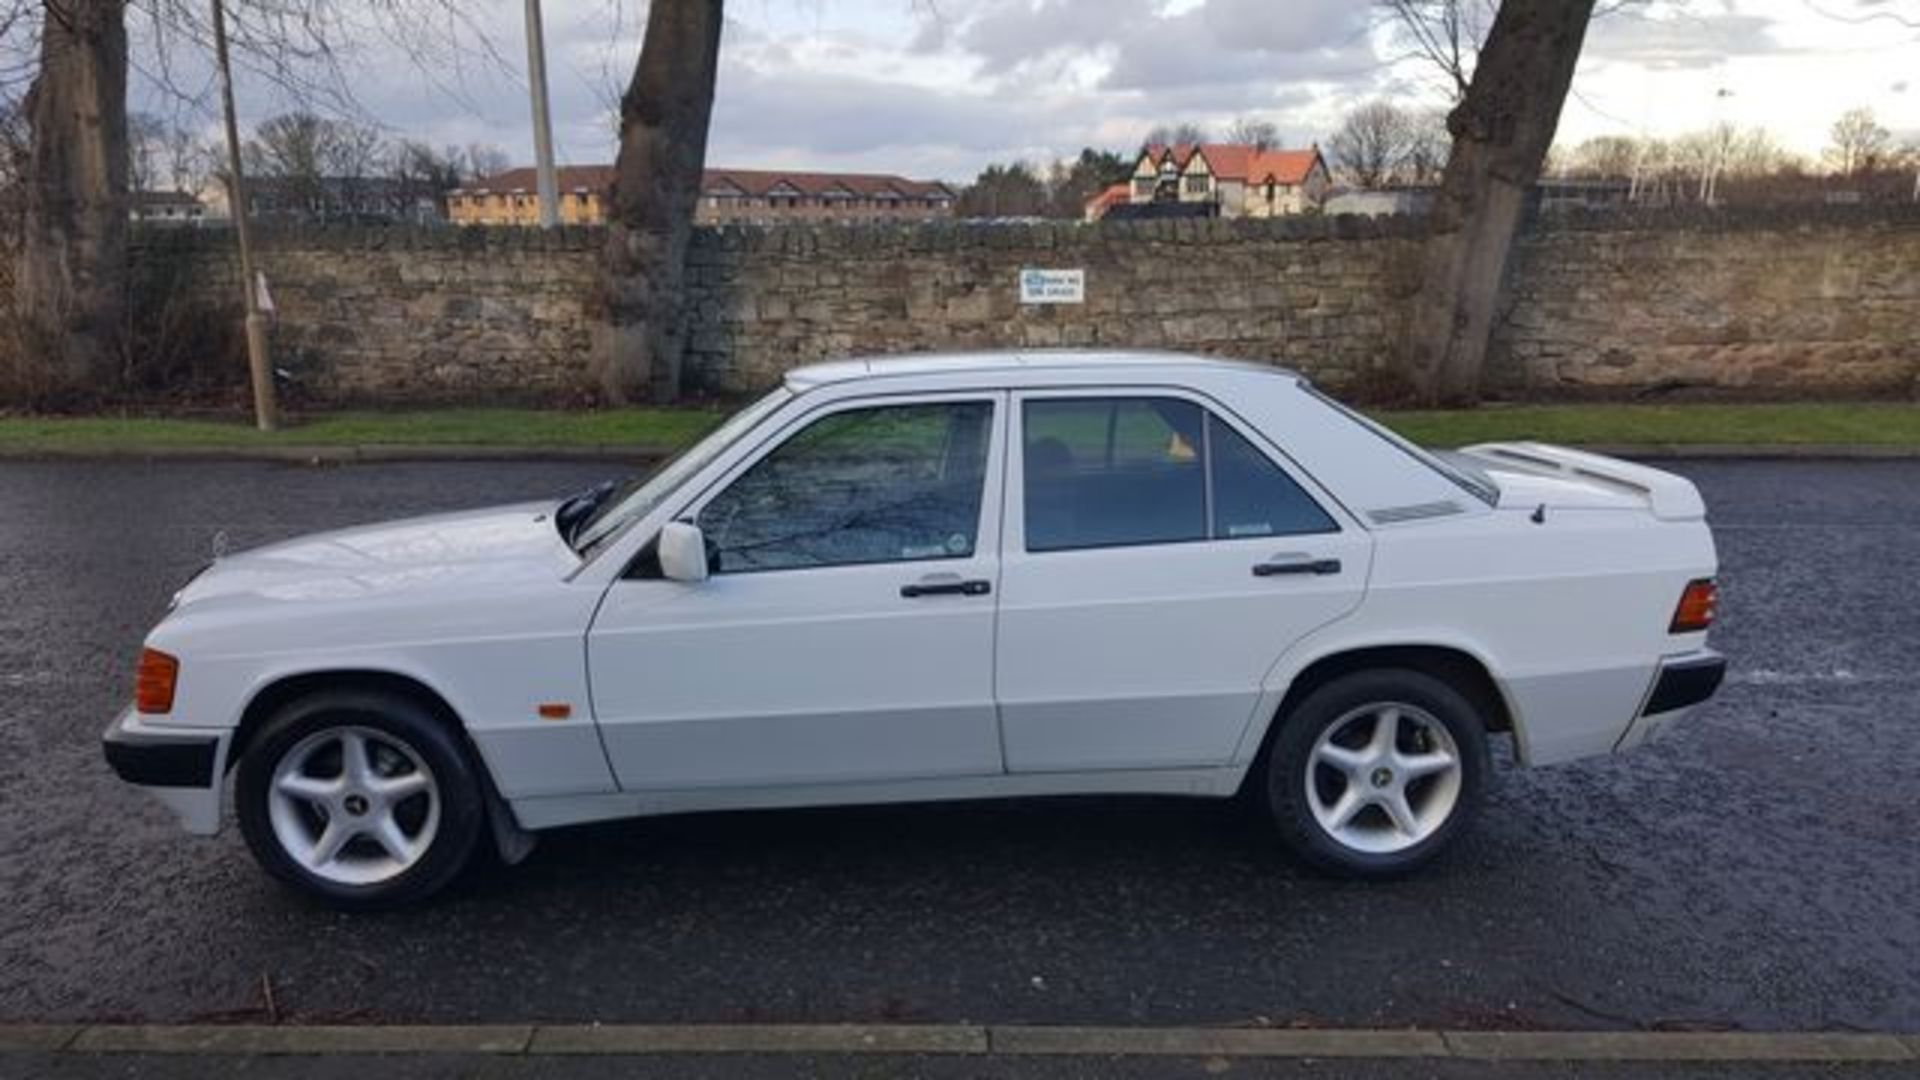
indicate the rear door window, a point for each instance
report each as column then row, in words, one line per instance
column 1108, row 472
column 1254, row 497
column 1123, row 471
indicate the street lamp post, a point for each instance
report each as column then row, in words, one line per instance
column 542, row 118
column 259, row 363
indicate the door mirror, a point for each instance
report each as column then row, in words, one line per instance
column 683, row 552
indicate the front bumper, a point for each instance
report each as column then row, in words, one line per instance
column 1680, row 684
column 181, row 767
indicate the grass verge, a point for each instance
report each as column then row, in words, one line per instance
column 1759, row 426
column 1824, row 424
column 661, row 428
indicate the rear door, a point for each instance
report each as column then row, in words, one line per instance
column 1158, row 557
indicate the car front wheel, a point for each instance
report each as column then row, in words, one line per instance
column 363, row 800
column 1373, row 773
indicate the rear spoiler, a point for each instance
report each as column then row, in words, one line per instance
column 1669, row 497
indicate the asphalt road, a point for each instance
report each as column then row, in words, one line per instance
column 754, row 1067
column 1758, row 869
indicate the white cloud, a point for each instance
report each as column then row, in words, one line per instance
column 941, row 87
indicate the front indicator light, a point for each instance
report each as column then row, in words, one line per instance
column 154, row 681
column 1696, row 608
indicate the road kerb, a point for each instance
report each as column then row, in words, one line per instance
column 303, row 1039
column 36, row 1038
column 1215, row 1042
column 760, row 1039
column 1676, row 1046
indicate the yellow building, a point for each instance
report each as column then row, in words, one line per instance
column 737, row 196
column 513, row 198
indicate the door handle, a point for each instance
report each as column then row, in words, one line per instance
column 1296, row 564
column 946, row 585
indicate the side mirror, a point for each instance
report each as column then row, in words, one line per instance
column 683, row 552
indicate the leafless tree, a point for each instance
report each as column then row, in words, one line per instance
column 1856, row 142
column 1185, row 133
column 1604, row 157
column 484, row 160
column 423, row 175
column 1427, row 146
column 74, row 57
column 146, row 140
column 664, row 119
column 1372, row 143
column 186, row 159
column 70, row 294
column 1445, row 34
column 1502, row 128
column 314, row 161
column 1255, row 132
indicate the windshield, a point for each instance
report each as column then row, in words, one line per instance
column 638, row 496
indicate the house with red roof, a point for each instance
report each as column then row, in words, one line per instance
column 1234, row 179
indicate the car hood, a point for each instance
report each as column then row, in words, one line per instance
column 488, row 547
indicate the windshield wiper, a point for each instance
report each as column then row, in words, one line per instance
column 576, row 510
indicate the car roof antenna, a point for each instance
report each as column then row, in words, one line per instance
column 1539, row 515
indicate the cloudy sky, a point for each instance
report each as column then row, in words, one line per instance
column 938, row 88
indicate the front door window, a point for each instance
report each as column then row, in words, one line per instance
column 897, row 483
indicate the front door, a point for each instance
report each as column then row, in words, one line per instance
column 846, row 632
column 1157, row 560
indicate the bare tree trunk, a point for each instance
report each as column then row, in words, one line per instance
column 71, row 295
column 656, row 188
column 1501, row 131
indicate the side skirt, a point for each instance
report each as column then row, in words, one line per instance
column 549, row 812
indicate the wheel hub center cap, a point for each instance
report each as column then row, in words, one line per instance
column 355, row 804
column 1382, row 777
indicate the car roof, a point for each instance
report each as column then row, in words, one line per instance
column 1014, row 367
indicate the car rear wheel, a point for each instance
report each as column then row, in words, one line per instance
column 1372, row 774
column 363, row 800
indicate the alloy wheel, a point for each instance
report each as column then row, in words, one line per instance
column 1383, row 777
column 353, row 805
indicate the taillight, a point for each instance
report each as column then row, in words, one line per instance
column 1696, row 607
column 154, row 681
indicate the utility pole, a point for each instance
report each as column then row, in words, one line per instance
column 259, row 363
column 542, row 118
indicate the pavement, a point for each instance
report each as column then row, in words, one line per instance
column 1755, row 871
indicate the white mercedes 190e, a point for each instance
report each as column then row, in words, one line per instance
column 949, row 577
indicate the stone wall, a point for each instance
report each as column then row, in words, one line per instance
column 403, row 316
column 1760, row 304
column 1820, row 303
column 1317, row 294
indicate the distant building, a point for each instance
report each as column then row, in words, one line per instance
column 513, row 197
column 1551, row 194
column 1099, row 206
column 727, row 196
column 1555, row 193
column 1380, row 202
column 327, row 200
column 1239, row 180
column 166, row 208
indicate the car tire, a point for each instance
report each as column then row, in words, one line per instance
column 364, row 800
column 1410, row 749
